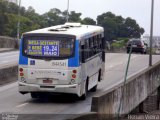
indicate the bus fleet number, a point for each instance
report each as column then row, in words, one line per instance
column 62, row 64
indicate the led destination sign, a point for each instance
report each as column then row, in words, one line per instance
column 43, row 48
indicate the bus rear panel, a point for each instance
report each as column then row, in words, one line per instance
column 61, row 63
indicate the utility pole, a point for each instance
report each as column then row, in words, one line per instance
column 68, row 11
column 18, row 23
column 151, row 33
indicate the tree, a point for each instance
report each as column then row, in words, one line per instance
column 88, row 21
column 3, row 18
column 114, row 26
column 34, row 17
column 74, row 17
column 11, row 26
column 54, row 17
column 133, row 28
column 108, row 21
column 117, row 26
column 27, row 25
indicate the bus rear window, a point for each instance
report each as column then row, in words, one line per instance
column 49, row 48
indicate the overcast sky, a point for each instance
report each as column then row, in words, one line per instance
column 136, row 9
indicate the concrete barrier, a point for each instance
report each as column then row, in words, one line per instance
column 8, row 74
column 136, row 90
column 8, row 42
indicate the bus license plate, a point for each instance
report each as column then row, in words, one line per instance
column 134, row 45
column 48, row 81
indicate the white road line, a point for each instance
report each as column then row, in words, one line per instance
column 110, row 66
column 21, row 105
column 134, row 56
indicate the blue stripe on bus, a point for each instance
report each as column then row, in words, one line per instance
column 22, row 59
column 74, row 62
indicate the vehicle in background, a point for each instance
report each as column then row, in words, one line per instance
column 137, row 46
column 66, row 58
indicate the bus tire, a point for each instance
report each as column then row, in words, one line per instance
column 34, row 95
column 83, row 97
column 99, row 76
column 94, row 89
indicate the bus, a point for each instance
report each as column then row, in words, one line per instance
column 68, row 58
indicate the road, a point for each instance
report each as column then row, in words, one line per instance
column 9, row 58
column 14, row 102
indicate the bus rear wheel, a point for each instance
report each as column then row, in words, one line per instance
column 34, row 95
column 94, row 89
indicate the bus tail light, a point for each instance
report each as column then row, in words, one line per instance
column 21, row 69
column 74, row 71
column 21, row 74
column 74, row 76
column 140, row 45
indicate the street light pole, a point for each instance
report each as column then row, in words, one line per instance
column 151, row 33
column 68, row 11
column 18, row 23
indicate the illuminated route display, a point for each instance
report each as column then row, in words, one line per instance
column 43, row 48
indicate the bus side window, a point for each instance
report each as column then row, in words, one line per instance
column 100, row 43
column 86, row 49
column 96, row 44
column 103, row 49
column 82, row 54
column 91, row 47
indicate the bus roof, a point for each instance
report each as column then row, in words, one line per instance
column 75, row 29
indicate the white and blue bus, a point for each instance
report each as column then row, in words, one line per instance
column 66, row 58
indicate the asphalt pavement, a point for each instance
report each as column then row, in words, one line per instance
column 13, row 102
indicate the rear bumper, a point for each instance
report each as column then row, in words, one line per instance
column 27, row 88
column 136, row 49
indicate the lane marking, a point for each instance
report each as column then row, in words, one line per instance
column 110, row 66
column 21, row 105
column 134, row 56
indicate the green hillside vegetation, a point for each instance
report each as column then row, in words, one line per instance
column 115, row 26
